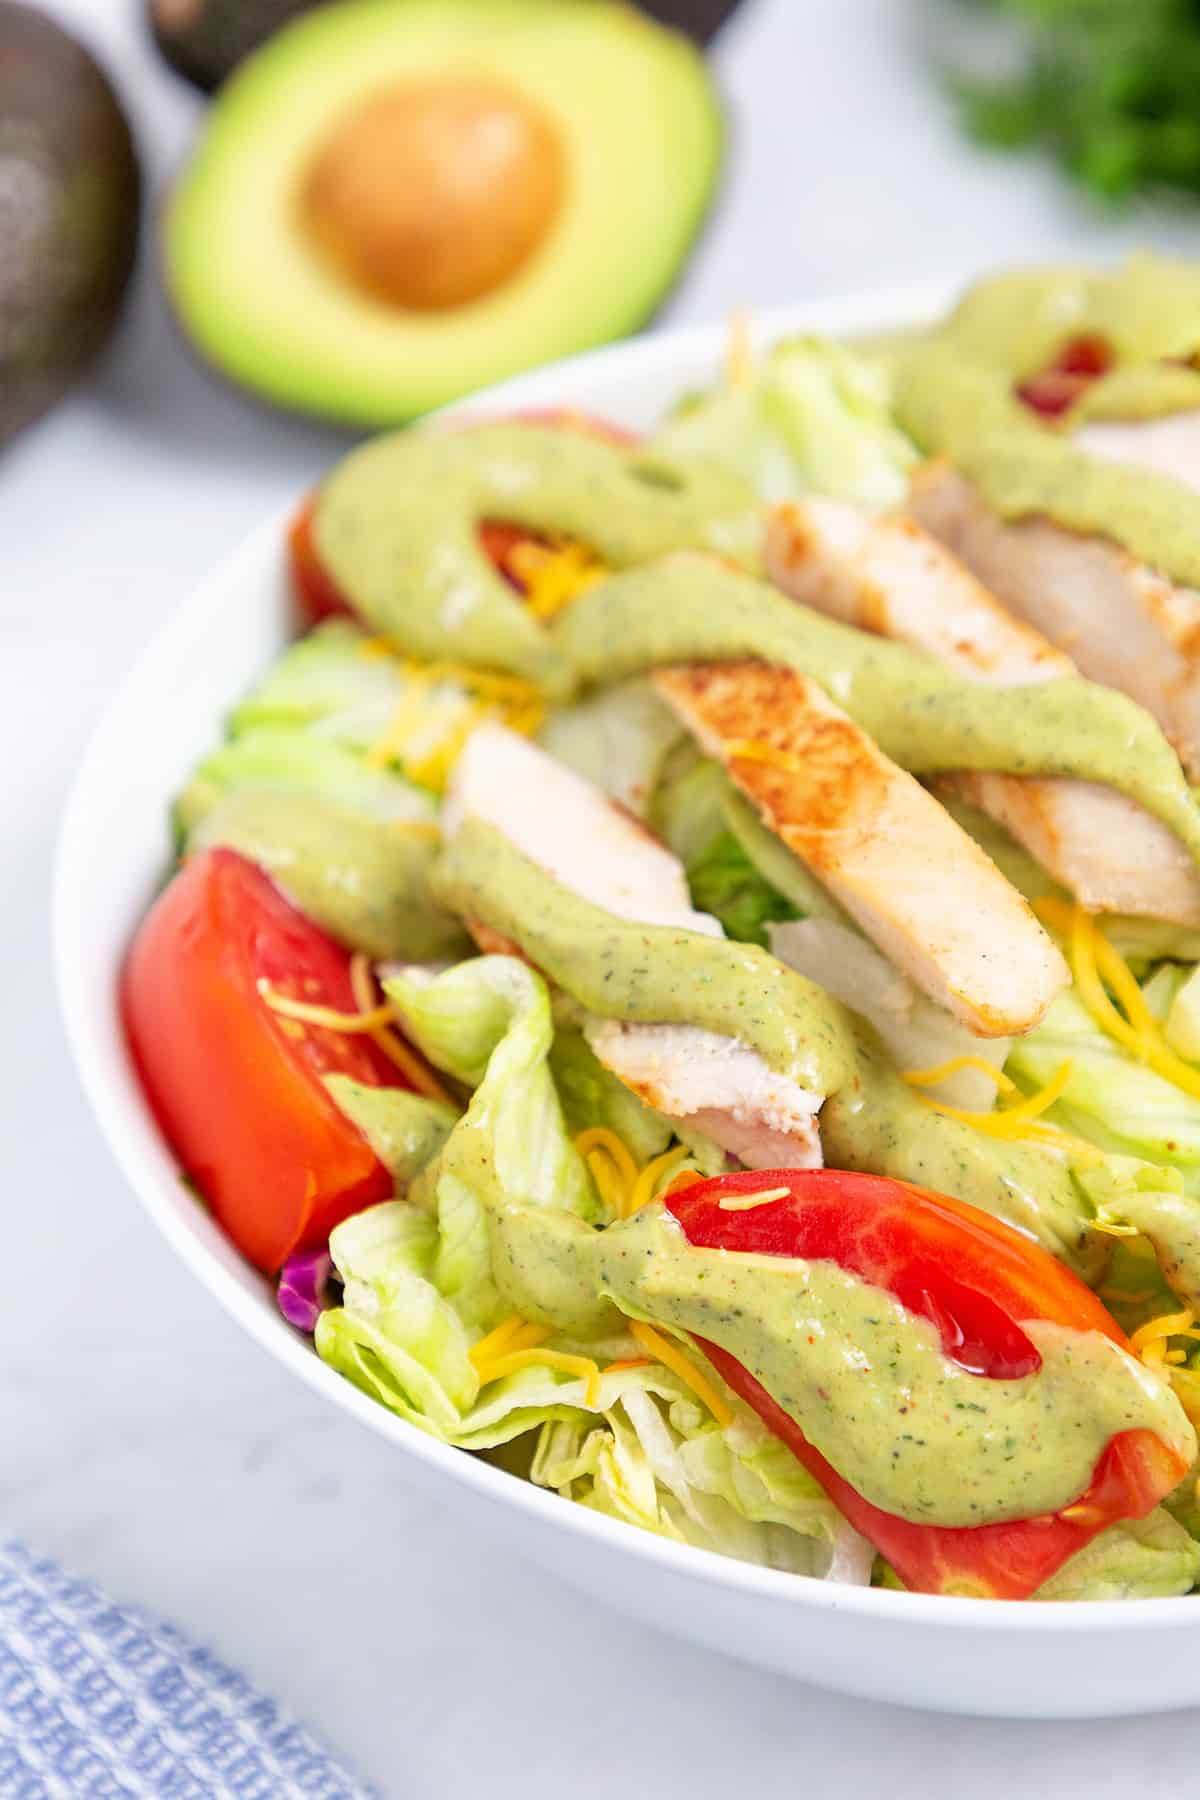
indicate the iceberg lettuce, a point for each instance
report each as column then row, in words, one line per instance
column 813, row 417
column 1139, row 1559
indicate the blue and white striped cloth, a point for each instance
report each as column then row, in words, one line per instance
column 97, row 1702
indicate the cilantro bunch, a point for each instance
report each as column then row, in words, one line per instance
column 1112, row 87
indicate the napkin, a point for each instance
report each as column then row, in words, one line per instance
column 100, row 1702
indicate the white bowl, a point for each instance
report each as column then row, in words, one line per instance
column 954, row 1655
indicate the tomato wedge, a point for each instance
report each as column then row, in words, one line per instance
column 318, row 596
column 976, row 1280
column 1053, row 390
column 236, row 1087
column 316, row 593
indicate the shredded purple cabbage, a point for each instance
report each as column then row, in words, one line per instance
column 304, row 1288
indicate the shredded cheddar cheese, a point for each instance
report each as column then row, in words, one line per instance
column 943, row 1071
column 623, row 1187
column 1102, row 977
column 748, row 1202
column 327, row 1017
column 512, row 1360
column 754, row 750
column 371, row 1019
column 1152, row 1341
column 516, row 1343
column 1013, row 1121
column 656, row 1170
column 663, row 1350
column 515, row 1333
column 553, row 575
column 442, row 704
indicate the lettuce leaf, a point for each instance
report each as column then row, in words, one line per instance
column 591, row 1095
column 1139, row 1559
column 1111, row 1098
column 724, row 882
column 658, row 1460
column 814, row 416
column 325, row 673
column 618, row 739
column 395, row 1334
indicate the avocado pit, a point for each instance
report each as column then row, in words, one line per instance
column 428, row 195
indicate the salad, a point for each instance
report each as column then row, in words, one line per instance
column 685, row 975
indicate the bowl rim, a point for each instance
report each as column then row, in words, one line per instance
column 120, row 1111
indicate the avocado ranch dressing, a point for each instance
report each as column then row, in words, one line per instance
column 871, row 1120
column 366, row 881
column 871, row 1388
column 953, row 393
column 396, row 527
column 646, row 973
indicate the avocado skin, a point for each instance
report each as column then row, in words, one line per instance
column 702, row 19
column 205, row 40
column 69, row 207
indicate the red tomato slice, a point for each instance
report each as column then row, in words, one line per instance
column 1055, row 389
column 236, row 1087
column 976, row 1279
column 318, row 595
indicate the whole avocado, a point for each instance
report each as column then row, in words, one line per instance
column 204, row 40
column 69, row 198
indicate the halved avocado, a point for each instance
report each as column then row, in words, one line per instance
column 394, row 204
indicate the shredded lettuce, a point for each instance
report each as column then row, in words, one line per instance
column 814, row 416
column 295, row 761
column 658, row 1460
column 724, row 882
column 747, row 875
column 687, row 809
column 1182, row 1014
column 591, row 1096
column 618, row 739
column 1139, row 1559
column 325, row 673
column 1110, row 1097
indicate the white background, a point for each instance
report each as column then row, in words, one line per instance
column 144, row 1441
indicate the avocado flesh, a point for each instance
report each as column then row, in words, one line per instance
column 69, row 202
column 641, row 133
column 206, row 40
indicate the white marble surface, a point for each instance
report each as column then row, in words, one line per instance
column 144, row 1440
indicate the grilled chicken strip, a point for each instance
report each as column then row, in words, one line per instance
column 1122, row 623
column 1166, row 446
column 888, row 575
column 899, row 864
column 578, row 836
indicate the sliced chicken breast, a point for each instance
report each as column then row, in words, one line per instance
column 904, row 870
column 884, row 573
column 1122, row 623
column 1166, row 446
column 576, row 834
column 721, row 1087
column 888, row 575
column 570, row 829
